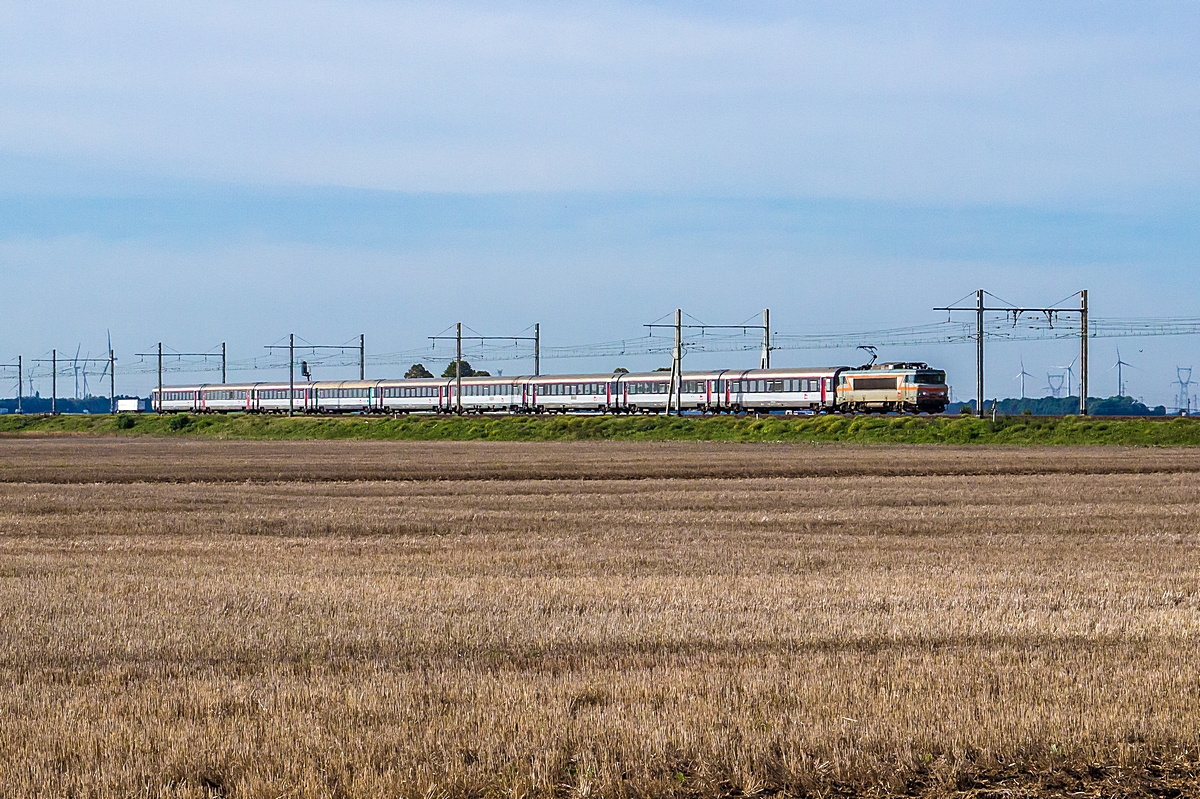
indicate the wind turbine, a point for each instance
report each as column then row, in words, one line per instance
column 75, row 368
column 1021, row 376
column 1070, row 370
column 1117, row 366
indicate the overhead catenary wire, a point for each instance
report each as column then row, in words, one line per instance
column 997, row 328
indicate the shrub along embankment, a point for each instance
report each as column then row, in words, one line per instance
column 859, row 429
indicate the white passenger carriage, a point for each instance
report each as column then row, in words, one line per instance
column 781, row 389
column 413, row 396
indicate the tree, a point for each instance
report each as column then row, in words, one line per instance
column 416, row 371
column 467, row 371
column 620, row 370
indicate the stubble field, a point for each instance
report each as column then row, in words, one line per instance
column 193, row 618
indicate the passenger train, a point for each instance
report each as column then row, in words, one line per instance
column 884, row 387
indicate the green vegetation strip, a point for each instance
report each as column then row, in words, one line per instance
column 859, row 429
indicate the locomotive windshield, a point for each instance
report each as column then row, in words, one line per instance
column 931, row 378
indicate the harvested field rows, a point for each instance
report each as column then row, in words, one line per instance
column 59, row 459
column 1028, row 630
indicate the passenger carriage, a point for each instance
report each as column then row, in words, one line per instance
column 413, row 396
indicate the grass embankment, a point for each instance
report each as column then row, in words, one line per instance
column 858, row 429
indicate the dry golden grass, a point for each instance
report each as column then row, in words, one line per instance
column 70, row 459
column 883, row 626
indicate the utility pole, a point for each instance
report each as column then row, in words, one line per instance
column 458, row 337
column 765, row 361
column 291, row 348
column 53, row 382
column 676, row 395
column 677, row 352
column 159, row 354
column 112, row 381
column 291, row 374
column 1015, row 313
column 362, row 356
column 20, row 379
column 1083, row 352
column 979, row 352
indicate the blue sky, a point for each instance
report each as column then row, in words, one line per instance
column 212, row 172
